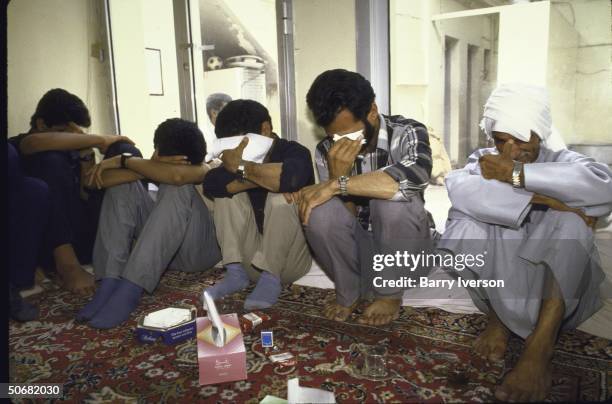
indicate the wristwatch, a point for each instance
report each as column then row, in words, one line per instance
column 124, row 157
column 343, row 182
column 516, row 174
column 241, row 172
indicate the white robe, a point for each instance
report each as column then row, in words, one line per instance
column 523, row 244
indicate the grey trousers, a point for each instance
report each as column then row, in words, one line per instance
column 344, row 249
column 281, row 249
column 174, row 232
column 550, row 243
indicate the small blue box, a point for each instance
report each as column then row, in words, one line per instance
column 171, row 335
column 267, row 339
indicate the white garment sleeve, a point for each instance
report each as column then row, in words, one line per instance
column 575, row 180
column 488, row 201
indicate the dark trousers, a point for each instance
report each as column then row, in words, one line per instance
column 28, row 204
column 72, row 220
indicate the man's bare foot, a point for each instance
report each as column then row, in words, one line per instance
column 382, row 311
column 335, row 311
column 531, row 378
column 492, row 342
column 76, row 280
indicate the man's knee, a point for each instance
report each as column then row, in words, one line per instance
column 398, row 216
column 36, row 189
column 175, row 194
column 51, row 161
column 278, row 205
column 329, row 217
column 568, row 224
column 118, row 148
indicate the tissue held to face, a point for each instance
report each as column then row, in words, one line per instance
column 346, row 123
column 525, row 152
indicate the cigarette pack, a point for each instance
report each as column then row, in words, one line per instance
column 250, row 321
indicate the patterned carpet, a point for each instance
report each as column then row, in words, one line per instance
column 428, row 353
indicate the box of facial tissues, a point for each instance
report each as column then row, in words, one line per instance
column 221, row 351
column 172, row 325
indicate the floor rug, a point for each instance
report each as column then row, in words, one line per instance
column 428, row 354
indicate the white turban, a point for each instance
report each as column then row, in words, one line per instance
column 517, row 109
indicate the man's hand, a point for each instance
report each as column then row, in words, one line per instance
column 341, row 156
column 231, row 158
column 94, row 174
column 558, row 205
column 314, row 195
column 498, row 167
column 107, row 140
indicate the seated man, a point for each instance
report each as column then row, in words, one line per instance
column 53, row 150
column 258, row 230
column 28, row 208
column 214, row 104
column 138, row 237
column 369, row 194
column 532, row 211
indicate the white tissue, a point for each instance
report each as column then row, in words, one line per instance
column 297, row 394
column 218, row 330
column 352, row 136
column 167, row 317
column 255, row 151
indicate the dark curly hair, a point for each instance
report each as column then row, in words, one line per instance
column 241, row 116
column 335, row 90
column 59, row 107
column 177, row 136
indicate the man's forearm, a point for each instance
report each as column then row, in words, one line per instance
column 265, row 175
column 236, row 186
column 49, row 141
column 376, row 184
column 167, row 173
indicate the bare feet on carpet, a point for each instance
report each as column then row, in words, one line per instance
column 77, row 280
column 382, row 311
column 335, row 311
column 492, row 342
column 531, row 378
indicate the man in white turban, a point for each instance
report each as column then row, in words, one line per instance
column 531, row 211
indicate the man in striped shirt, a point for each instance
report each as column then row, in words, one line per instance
column 370, row 195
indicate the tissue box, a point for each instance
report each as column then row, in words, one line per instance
column 221, row 364
column 169, row 335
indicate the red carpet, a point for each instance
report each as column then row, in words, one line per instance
column 429, row 356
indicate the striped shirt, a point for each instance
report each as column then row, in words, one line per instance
column 402, row 151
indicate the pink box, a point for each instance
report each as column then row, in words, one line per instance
column 221, row 364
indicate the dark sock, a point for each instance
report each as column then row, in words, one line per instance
column 265, row 293
column 103, row 293
column 20, row 310
column 122, row 302
column 235, row 280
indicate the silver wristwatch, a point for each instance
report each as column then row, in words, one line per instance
column 240, row 172
column 516, row 174
column 343, row 182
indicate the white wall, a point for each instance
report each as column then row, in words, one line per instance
column 593, row 119
column 418, row 66
column 48, row 47
column 324, row 38
column 137, row 24
column 523, row 43
column 561, row 72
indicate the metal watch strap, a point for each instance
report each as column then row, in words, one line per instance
column 240, row 172
column 516, row 174
column 343, row 182
column 124, row 157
